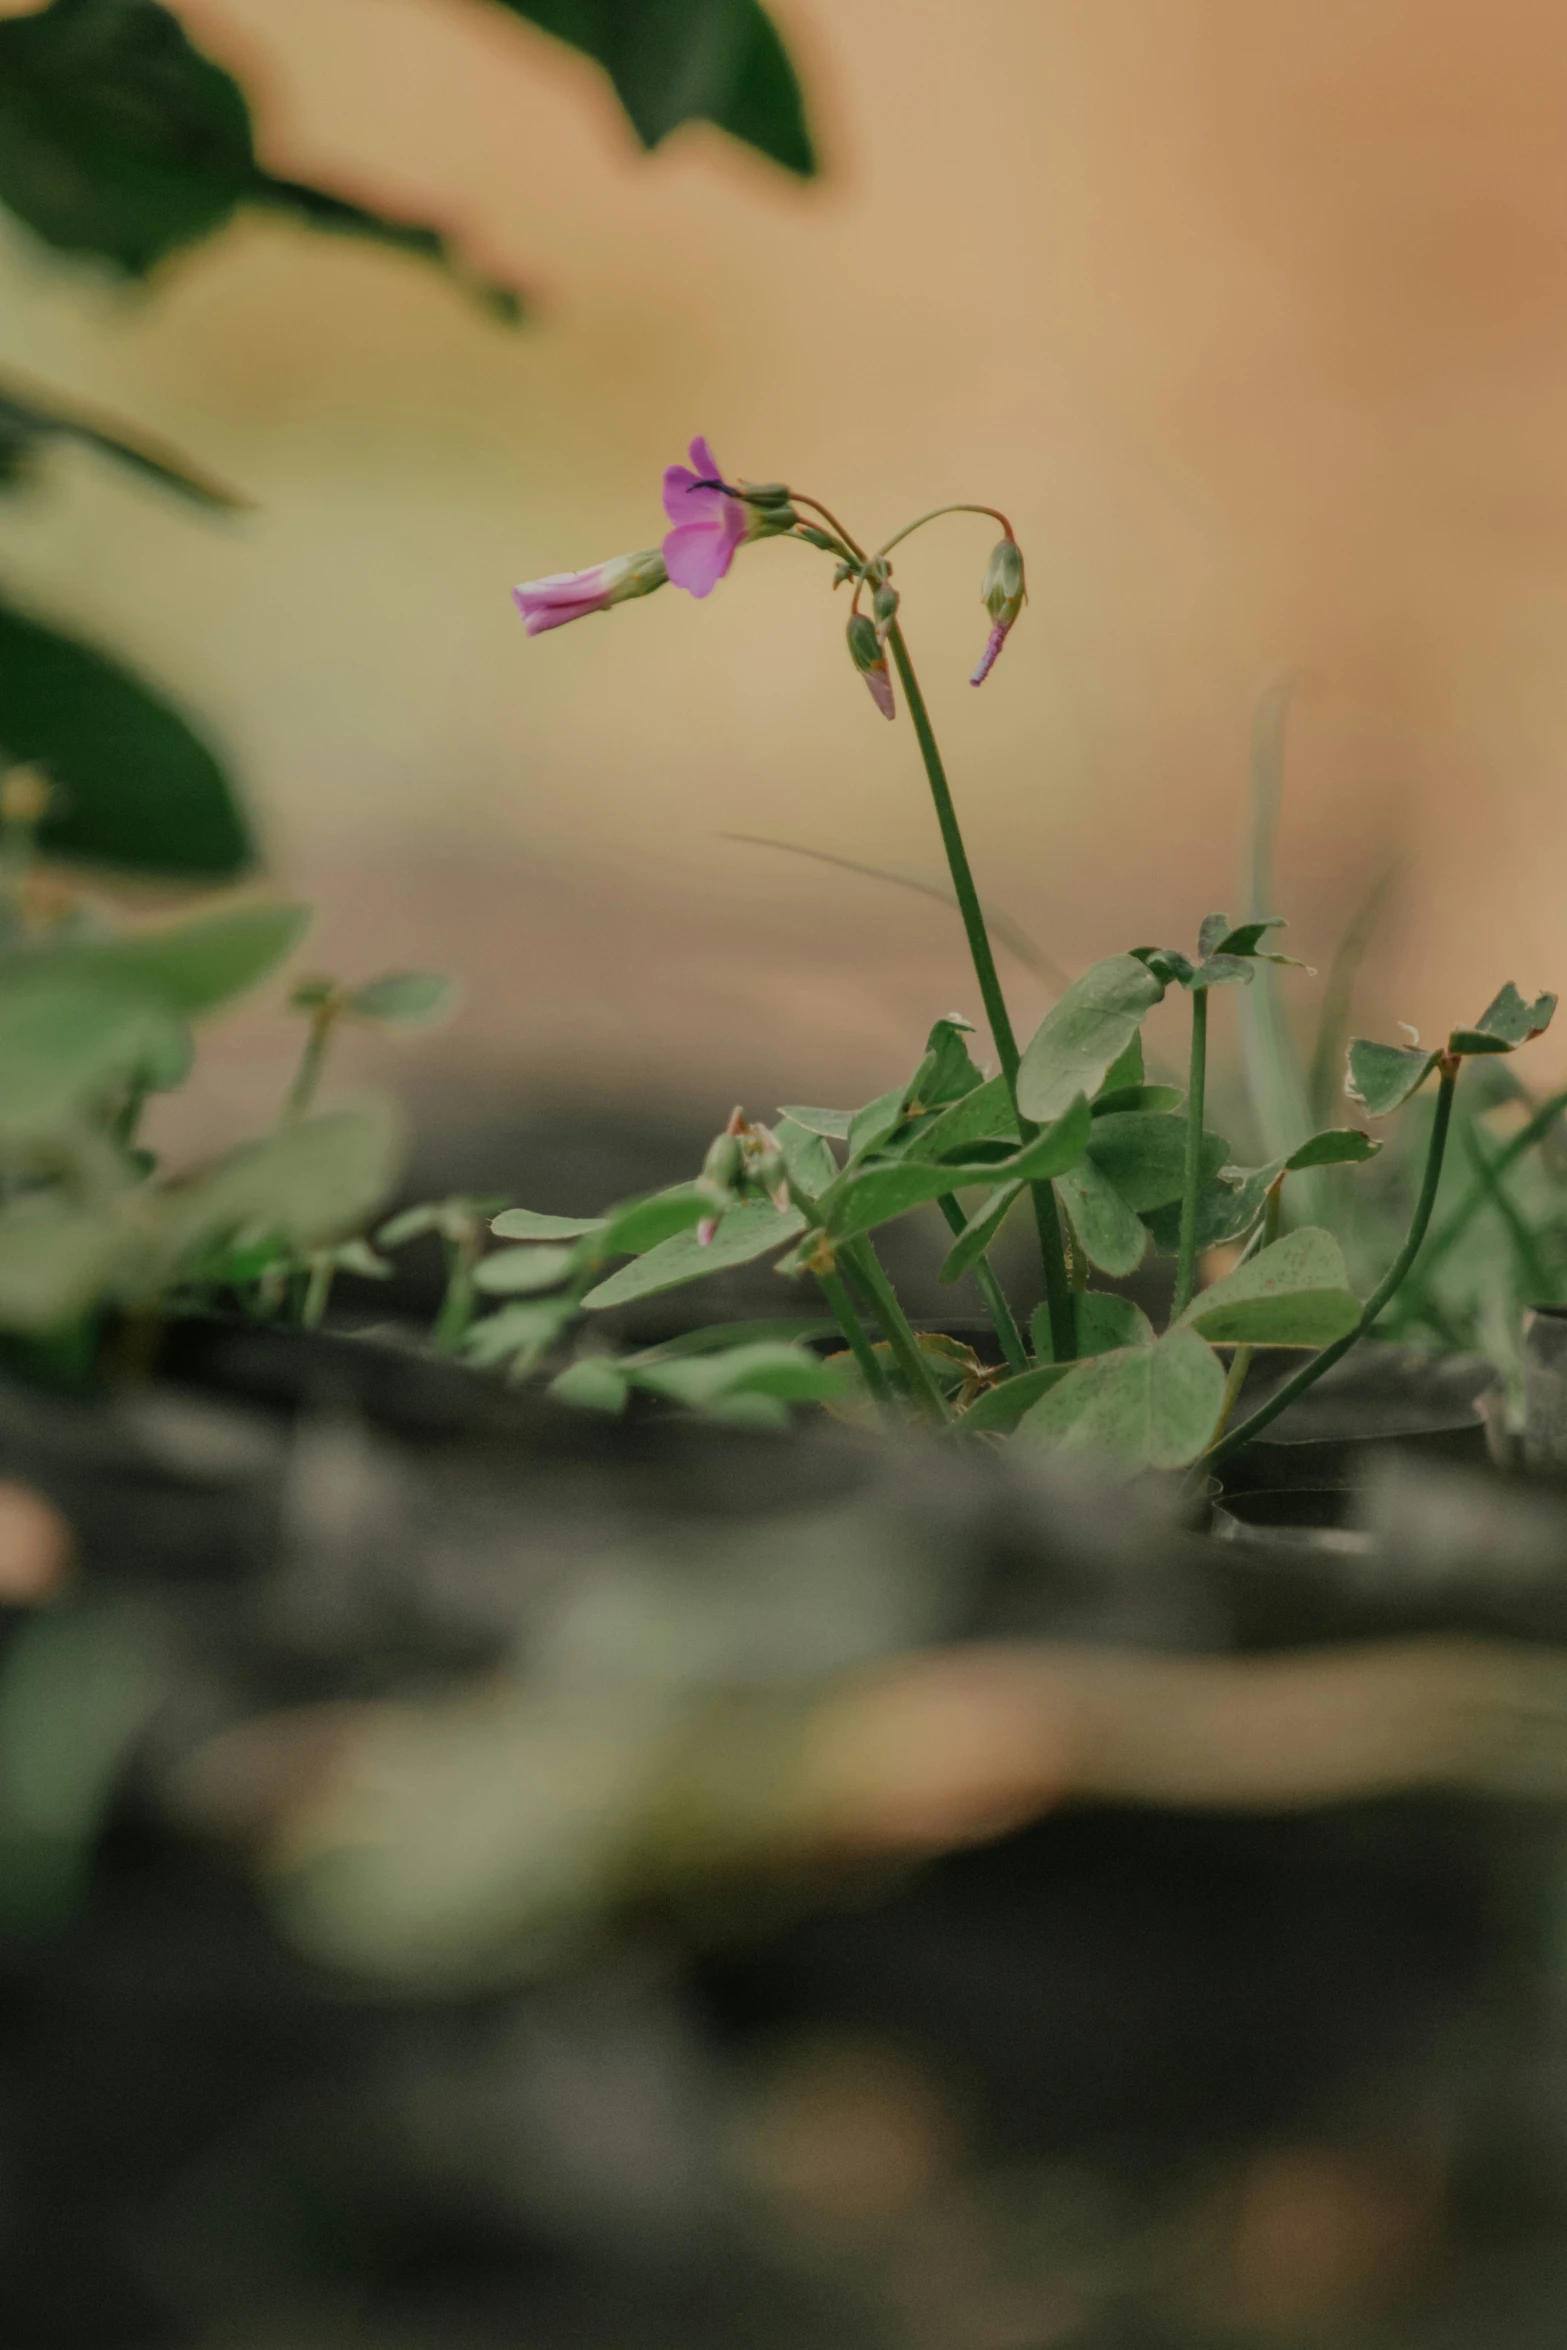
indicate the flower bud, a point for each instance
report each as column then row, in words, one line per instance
column 885, row 606
column 721, row 1168
column 1002, row 592
column 772, row 1174
column 572, row 595
column 865, row 651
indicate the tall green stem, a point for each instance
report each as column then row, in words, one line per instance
column 1191, row 1179
column 1058, row 1294
column 835, row 1290
column 1455, row 1226
column 1003, row 1320
column 1310, row 1372
column 865, row 1265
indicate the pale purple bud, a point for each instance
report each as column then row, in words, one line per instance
column 1002, row 591
column 987, row 659
column 572, row 595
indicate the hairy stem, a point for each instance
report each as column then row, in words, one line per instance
column 863, row 1262
column 1063, row 1318
column 1003, row 1320
column 1310, row 1372
column 1191, row 1178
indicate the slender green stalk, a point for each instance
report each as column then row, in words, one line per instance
column 318, row 1038
column 863, row 1262
column 1003, row 1320
column 1310, row 1372
column 318, row 1291
column 841, row 1305
column 1063, row 1317
column 463, row 1251
column 1191, row 1178
column 1454, row 1227
column 935, row 514
column 1241, row 1360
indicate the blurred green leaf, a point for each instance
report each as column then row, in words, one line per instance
column 1114, row 1101
column 1080, row 1037
column 514, row 1272
column 119, row 138
column 135, row 788
column 518, row 1335
column 525, row 1224
column 186, row 969
column 717, row 1335
column 1111, row 1234
column 1383, row 1076
column 1293, row 1293
column 403, row 999
column 1143, row 1406
column 56, row 1261
column 641, row 1224
column 754, row 1230
column 33, row 416
column 592, row 1384
column 64, row 1042
column 765, row 1367
column 675, row 61
column 306, row 1185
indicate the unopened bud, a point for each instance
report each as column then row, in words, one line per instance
column 1002, row 592
column 721, row 1167
column 885, row 606
column 771, row 1173
column 865, row 651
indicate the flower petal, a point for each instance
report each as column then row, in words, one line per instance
column 698, row 554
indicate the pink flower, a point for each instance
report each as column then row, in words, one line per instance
column 987, row 659
column 708, row 523
column 572, row 595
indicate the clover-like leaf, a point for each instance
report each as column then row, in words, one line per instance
column 1141, row 1407
column 1335, row 1146
column 1083, row 1034
column 402, row 999
column 1505, row 1024
column 1383, row 1076
column 527, row 1224
column 863, row 1197
column 1144, row 1155
column 997, row 1411
column 1293, row 1293
column 754, row 1229
column 1111, row 1235
column 516, row 1272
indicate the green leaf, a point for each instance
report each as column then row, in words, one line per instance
column 786, row 1372
column 1125, row 1070
column 1294, row 1293
column 513, row 1272
column 119, row 138
column 1114, row 1102
column 305, row 1185
column 403, row 999
column 1167, row 964
column 1383, row 1076
column 1505, row 1024
column 810, row 1164
column 32, row 417
column 56, row 1262
column 1144, row 1156
column 985, row 1115
column 864, row 1197
column 593, row 1384
column 1082, row 1035
column 1212, row 932
column 871, row 1125
column 1246, row 939
column 65, row 1042
column 998, row 1410
column 1220, row 971
column 1111, row 1235
column 1143, row 1406
column 518, row 1335
column 639, row 1225
column 135, row 787
column 947, row 1073
column 717, row 1335
column 834, row 1124
column 675, row 61
column 189, row 968
column 1104, row 1323
column 980, row 1231
column 526, row 1224
column 754, row 1230
column 1335, row 1146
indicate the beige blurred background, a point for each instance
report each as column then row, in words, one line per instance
column 1253, row 316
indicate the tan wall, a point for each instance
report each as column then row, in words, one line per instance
column 1254, row 315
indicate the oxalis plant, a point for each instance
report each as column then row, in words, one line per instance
column 1107, row 1165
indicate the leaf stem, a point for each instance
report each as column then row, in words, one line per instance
column 1191, row 1179
column 1063, row 1317
column 863, row 1262
column 318, row 1038
column 1310, row 1372
column 1003, row 1320
column 835, row 1290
